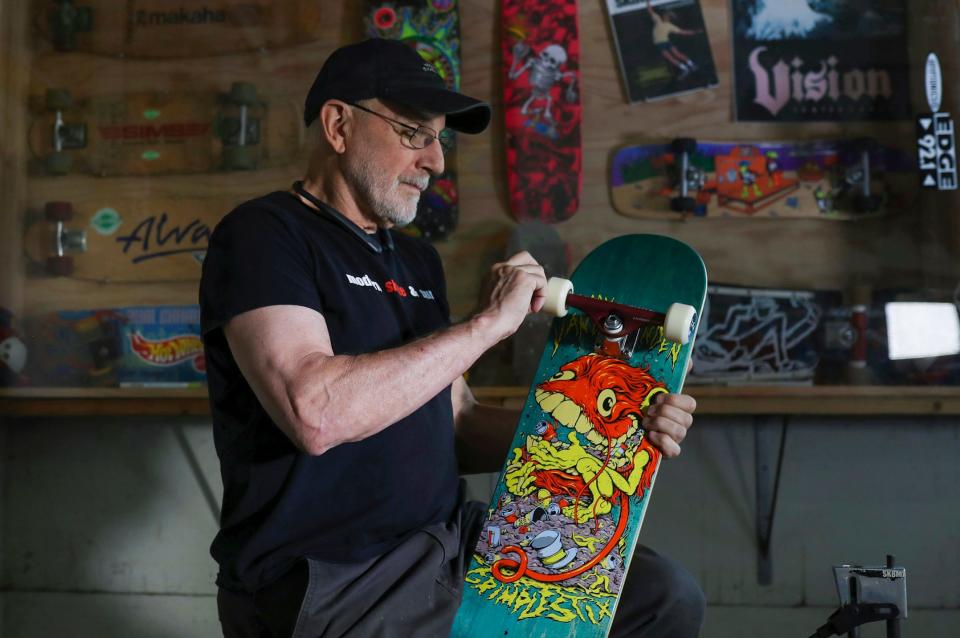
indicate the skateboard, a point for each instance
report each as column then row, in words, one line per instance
column 542, row 113
column 840, row 180
column 123, row 239
column 752, row 336
column 111, row 347
column 158, row 133
column 160, row 29
column 566, row 512
column 432, row 29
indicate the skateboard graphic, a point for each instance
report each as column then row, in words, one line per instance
column 432, row 29
column 542, row 113
column 566, row 512
column 159, row 29
column 838, row 180
column 159, row 133
column 123, row 239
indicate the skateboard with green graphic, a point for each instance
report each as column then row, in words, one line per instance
column 566, row 512
column 432, row 29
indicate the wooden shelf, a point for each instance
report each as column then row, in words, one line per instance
column 711, row 400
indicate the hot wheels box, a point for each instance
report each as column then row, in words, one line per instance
column 135, row 346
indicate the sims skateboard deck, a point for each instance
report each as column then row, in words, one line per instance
column 823, row 179
column 158, row 133
column 160, row 29
column 117, row 239
column 542, row 114
column 432, row 29
column 566, row 512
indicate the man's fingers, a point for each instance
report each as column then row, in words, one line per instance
column 520, row 258
column 669, row 447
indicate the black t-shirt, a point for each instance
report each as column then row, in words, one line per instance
column 374, row 292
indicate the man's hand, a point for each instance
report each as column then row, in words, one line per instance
column 511, row 290
column 668, row 420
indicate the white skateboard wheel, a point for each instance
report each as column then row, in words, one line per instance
column 677, row 323
column 556, row 296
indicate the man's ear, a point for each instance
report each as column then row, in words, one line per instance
column 336, row 123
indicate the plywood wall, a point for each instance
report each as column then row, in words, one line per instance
column 798, row 253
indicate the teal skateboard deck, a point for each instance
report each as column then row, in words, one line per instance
column 566, row 512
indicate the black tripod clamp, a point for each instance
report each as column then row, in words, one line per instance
column 855, row 614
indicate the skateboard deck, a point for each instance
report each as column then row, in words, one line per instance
column 822, row 180
column 159, row 29
column 158, row 133
column 111, row 239
column 566, row 512
column 542, row 113
column 432, row 29
column 758, row 335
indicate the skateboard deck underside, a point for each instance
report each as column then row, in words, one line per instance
column 131, row 240
column 769, row 180
column 158, row 133
column 566, row 512
column 432, row 28
column 542, row 112
column 159, row 29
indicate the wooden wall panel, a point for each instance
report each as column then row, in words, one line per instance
column 786, row 253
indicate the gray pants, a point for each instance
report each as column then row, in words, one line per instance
column 414, row 590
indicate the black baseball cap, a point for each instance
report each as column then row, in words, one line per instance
column 391, row 70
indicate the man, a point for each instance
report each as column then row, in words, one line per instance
column 336, row 380
column 663, row 28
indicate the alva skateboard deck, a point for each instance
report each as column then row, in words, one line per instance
column 432, row 29
column 123, row 239
column 842, row 180
column 566, row 512
column 542, row 113
column 160, row 29
column 158, row 133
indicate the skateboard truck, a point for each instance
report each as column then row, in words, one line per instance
column 618, row 322
column 239, row 132
column 858, row 176
column 65, row 136
column 66, row 21
column 64, row 239
column 689, row 179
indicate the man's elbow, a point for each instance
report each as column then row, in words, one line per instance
column 313, row 430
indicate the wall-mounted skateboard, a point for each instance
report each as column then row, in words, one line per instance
column 123, row 239
column 567, row 509
column 184, row 29
column 541, row 103
column 821, row 179
column 156, row 133
column 432, row 29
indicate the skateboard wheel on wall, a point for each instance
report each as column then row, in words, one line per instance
column 683, row 204
column 58, row 99
column 243, row 93
column 58, row 211
column 58, row 163
column 60, row 266
column 240, row 158
column 678, row 322
column 686, row 145
column 555, row 302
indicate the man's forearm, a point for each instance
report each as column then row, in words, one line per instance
column 338, row 399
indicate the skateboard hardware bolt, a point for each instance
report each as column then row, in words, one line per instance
column 612, row 325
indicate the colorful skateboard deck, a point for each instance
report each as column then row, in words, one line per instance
column 763, row 179
column 111, row 239
column 432, row 29
column 159, row 133
column 567, row 509
column 163, row 29
column 542, row 114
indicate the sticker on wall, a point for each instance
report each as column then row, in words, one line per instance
column 937, row 151
column 106, row 221
column 933, row 82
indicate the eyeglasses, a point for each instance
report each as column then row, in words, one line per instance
column 416, row 136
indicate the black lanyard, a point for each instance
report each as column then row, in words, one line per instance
column 375, row 242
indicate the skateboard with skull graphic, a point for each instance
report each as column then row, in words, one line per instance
column 541, row 69
column 565, row 515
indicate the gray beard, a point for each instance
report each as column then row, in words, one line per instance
column 384, row 196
